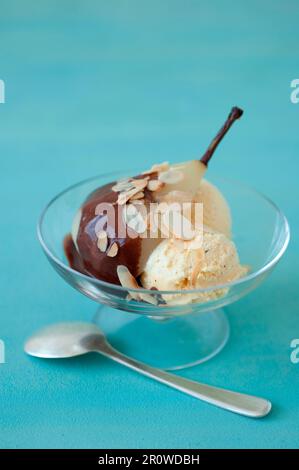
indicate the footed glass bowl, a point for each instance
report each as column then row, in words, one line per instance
column 176, row 335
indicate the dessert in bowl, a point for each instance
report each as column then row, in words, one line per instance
column 181, row 269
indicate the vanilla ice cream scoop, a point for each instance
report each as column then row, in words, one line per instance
column 177, row 265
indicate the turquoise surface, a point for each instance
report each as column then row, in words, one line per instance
column 93, row 86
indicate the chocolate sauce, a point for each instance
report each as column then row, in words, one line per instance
column 88, row 259
column 72, row 255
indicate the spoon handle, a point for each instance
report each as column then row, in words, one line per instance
column 247, row 405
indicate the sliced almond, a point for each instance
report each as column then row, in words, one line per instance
column 141, row 183
column 136, row 186
column 171, row 176
column 123, row 198
column 118, row 188
column 136, row 202
column 134, row 219
column 155, row 185
column 150, row 299
column 139, row 195
column 126, row 278
column 102, row 240
column 124, row 185
column 113, row 250
column 129, row 282
column 129, row 212
column 138, row 225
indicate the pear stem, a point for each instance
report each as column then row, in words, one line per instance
column 235, row 114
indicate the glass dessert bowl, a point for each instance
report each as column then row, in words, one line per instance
column 141, row 322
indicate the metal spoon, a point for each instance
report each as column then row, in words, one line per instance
column 73, row 339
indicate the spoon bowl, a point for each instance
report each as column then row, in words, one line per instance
column 63, row 340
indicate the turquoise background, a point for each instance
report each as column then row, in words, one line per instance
column 93, row 86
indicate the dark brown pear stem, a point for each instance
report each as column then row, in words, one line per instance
column 235, row 114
